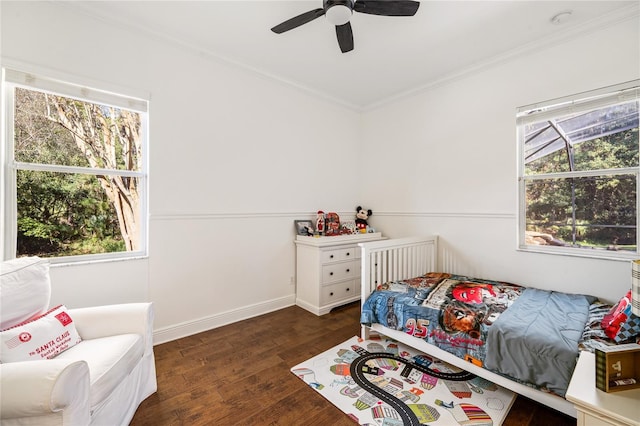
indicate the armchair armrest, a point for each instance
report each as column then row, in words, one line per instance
column 109, row 320
column 58, row 388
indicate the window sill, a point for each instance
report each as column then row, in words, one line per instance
column 592, row 253
column 90, row 259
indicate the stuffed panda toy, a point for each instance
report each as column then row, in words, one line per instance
column 361, row 219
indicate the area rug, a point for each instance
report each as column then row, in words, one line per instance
column 383, row 382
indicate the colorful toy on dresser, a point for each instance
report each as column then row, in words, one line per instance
column 362, row 217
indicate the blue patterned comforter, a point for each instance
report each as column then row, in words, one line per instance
column 530, row 335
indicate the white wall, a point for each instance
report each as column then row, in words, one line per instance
column 450, row 154
column 233, row 159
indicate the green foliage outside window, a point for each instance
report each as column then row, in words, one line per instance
column 63, row 213
column 597, row 211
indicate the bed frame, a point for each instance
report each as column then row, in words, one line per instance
column 403, row 258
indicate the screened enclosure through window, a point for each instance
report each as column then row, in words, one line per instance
column 578, row 174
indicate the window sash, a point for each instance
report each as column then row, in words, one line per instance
column 73, row 169
column 585, row 173
column 622, row 255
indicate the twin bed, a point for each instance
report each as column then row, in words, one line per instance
column 523, row 339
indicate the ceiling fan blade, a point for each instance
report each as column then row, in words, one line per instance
column 387, row 7
column 345, row 37
column 296, row 21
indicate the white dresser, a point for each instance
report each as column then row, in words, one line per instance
column 328, row 270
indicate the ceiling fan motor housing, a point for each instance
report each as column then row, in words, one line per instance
column 338, row 12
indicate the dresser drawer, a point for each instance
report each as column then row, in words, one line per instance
column 340, row 271
column 339, row 255
column 336, row 292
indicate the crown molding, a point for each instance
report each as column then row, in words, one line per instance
column 118, row 21
column 612, row 18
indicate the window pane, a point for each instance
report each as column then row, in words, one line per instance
column 614, row 151
column 555, row 161
column 64, row 214
column 51, row 129
column 595, row 212
column 605, row 138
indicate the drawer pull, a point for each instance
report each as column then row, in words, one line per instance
column 347, row 270
column 331, row 257
column 330, row 273
column 331, row 294
column 347, row 288
column 348, row 253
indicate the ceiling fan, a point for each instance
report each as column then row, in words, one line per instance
column 338, row 13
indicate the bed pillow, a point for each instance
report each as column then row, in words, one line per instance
column 43, row 337
column 620, row 324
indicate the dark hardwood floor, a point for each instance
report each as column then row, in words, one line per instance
column 239, row 375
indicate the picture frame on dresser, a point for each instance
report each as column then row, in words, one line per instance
column 303, row 227
column 350, row 225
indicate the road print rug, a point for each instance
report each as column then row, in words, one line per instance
column 385, row 383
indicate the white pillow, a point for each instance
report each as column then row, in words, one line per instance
column 25, row 290
column 43, row 337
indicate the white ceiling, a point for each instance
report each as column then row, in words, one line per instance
column 393, row 55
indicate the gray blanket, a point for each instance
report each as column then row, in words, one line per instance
column 536, row 340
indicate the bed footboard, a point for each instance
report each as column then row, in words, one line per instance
column 395, row 259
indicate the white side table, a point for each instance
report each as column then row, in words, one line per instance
column 596, row 407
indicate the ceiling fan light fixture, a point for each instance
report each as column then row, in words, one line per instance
column 338, row 14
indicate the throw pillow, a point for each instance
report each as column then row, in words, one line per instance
column 43, row 337
column 620, row 324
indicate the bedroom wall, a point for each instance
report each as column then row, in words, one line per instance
column 448, row 160
column 234, row 159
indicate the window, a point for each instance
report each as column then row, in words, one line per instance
column 579, row 174
column 75, row 162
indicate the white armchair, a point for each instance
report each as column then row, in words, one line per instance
column 100, row 381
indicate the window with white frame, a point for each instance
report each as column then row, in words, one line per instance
column 76, row 171
column 579, row 174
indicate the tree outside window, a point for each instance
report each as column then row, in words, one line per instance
column 79, row 176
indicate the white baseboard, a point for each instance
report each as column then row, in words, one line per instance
column 185, row 329
column 323, row 310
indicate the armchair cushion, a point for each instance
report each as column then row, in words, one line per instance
column 25, row 290
column 42, row 337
